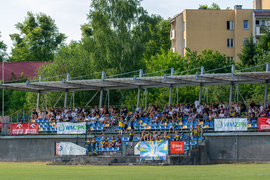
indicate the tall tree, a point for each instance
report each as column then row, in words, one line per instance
column 3, row 48
column 248, row 51
column 38, row 40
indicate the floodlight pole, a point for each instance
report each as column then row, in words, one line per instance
column 266, row 84
column 38, row 96
column 66, row 93
column 170, row 95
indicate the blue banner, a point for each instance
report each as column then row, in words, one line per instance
column 153, row 150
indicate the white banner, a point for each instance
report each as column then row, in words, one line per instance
column 137, row 149
column 231, row 124
column 71, row 128
column 68, row 148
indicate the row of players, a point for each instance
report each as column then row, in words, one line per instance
column 145, row 136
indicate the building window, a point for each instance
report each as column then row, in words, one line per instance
column 257, row 22
column 184, row 44
column 230, row 43
column 231, row 58
column 263, row 22
column 183, row 26
column 245, row 40
column 246, row 24
column 230, row 25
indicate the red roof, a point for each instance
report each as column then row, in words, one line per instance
column 29, row 68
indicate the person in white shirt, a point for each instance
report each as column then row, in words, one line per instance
column 196, row 103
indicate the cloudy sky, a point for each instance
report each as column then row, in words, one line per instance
column 70, row 14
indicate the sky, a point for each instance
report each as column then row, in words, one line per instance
column 69, row 15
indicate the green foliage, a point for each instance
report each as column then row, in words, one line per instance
column 38, row 40
column 3, row 48
column 214, row 6
column 248, row 51
column 264, row 43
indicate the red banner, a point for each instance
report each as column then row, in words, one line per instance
column 177, row 147
column 23, row 128
column 264, row 124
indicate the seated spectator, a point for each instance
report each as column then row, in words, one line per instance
column 34, row 114
column 232, row 112
column 183, row 137
column 113, row 142
column 263, row 113
column 118, row 142
column 124, row 110
column 166, row 136
column 177, row 135
column 103, row 143
column 205, row 117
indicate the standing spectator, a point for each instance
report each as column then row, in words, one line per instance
column 131, row 136
column 118, row 142
column 34, row 114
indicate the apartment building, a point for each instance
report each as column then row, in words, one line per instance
column 219, row 30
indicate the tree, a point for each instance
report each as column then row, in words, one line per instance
column 3, row 48
column 38, row 40
column 264, row 43
column 214, row 6
column 248, row 51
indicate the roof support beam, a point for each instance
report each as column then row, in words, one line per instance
column 237, row 76
column 77, row 85
column 28, row 84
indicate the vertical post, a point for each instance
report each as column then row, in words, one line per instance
column 73, row 93
column 237, row 92
column 170, row 95
column 266, row 84
column 231, row 93
column 177, row 94
column 66, row 93
column 38, row 95
column 145, row 99
column 108, row 99
column 139, row 89
column 231, row 86
column 200, row 94
column 3, row 92
column 207, row 94
column 101, row 90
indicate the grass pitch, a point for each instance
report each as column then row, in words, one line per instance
column 37, row 171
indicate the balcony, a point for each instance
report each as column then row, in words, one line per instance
column 259, row 30
column 173, row 35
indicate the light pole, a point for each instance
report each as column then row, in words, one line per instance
column 4, row 59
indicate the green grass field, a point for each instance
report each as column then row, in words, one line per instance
column 42, row 171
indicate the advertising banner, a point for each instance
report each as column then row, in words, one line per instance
column 264, row 124
column 177, row 147
column 23, row 128
column 71, row 128
column 231, row 124
column 153, row 150
column 137, row 149
column 68, row 148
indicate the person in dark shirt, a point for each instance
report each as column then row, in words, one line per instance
column 252, row 104
column 34, row 114
column 243, row 107
column 124, row 110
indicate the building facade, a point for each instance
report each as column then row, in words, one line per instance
column 219, row 30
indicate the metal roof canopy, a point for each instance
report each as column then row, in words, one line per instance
column 141, row 82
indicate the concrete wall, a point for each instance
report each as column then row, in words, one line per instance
column 31, row 148
column 238, row 147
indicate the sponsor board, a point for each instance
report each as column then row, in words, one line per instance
column 68, row 148
column 23, row 128
column 153, row 150
column 177, row 147
column 264, row 124
column 230, row 124
column 71, row 128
